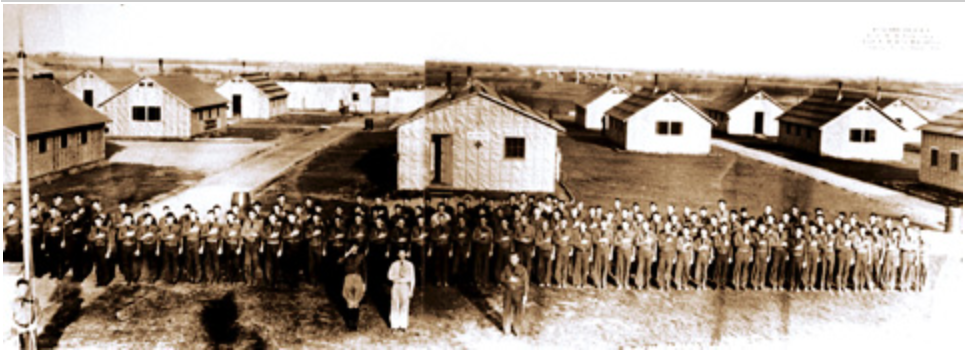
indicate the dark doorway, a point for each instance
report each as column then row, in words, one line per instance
column 237, row 105
column 443, row 154
column 758, row 122
column 89, row 97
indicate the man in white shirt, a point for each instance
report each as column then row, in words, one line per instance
column 402, row 275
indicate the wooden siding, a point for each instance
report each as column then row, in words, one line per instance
column 742, row 117
column 638, row 132
column 942, row 175
column 479, row 167
column 800, row 137
column 56, row 158
column 835, row 136
column 88, row 81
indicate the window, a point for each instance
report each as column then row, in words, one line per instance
column 64, row 141
column 662, row 127
column 42, row 145
column 798, row 130
column 154, row 113
column 83, row 137
column 870, row 135
column 955, row 160
column 513, row 147
column 934, row 156
column 856, row 135
column 138, row 113
column 356, row 96
column 676, row 128
column 789, row 129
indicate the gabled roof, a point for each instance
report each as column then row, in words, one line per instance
column 645, row 97
column 188, row 89
column 49, row 108
column 116, row 77
column 732, row 98
column 823, row 107
column 268, row 86
column 885, row 101
column 597, row 93
column 949, row 125
column 476, row 88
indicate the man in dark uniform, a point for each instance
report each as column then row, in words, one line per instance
column 798, row 248
column 232, row 247
column 192, row 233
column 761, row 255
column 418, row 249
column 316, row 249
column 515, row 281
column 562, row 256
column 212, row 232
column 101, row 243
column 779, row 242
column 273, row 249
column 545, row 245
column 126, row 235
column 502, row 246
column 252, row 230
column 76, row 245
column 744, row 255
column 460, row 261
column 723, row 245
column 524, row 241
column 378, row 257
column 482, row 251
column 171, row 238
column 582, row 248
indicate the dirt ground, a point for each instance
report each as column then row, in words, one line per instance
column 233, row 317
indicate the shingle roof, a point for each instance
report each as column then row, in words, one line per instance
column 731, row 98
column 645, row 97
column 477, row 88
column 117, row 77
column 194, row 92
column 268, row 86
column 949, row 125
column 49, row 108
column 823, row 106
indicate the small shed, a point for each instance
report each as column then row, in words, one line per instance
column 745, row 112
column 480, row 140
column 590, row 110
column 63, row 133
column 93, row 86
column 165, row 107
column 842, row 124
column 254, row 96
column 656, row 121
column 942, row 161
column 329, row 96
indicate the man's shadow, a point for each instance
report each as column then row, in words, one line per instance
column 478, row 299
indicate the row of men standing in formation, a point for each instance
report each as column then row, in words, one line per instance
column 561, row 244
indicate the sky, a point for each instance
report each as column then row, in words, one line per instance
column 822, row 39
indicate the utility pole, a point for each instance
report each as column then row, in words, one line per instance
column 31, row 344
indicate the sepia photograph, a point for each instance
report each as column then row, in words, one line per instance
column 484, row 176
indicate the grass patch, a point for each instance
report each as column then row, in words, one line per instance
column 111, row 184
column 598, row 174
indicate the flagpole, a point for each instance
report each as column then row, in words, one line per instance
column 25, row 180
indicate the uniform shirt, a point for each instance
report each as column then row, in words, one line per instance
column 192, row 230
column 53, row 231
column 483, row 235
column 685, row 247
column 358, row 233
column 233, row 234
column 401, row 272
column 722, row 244
column 762, row 244
column 441, row 235
column 148, row 234
column 503, row 238
column 171, row 235
column 583, row 242
column 292, row 233
column 379, row 235
column 274, row 233
column 797, row 247
column 515, row 277
column 212, row 231
column 524, row 234
column 127, row 235
column 252, row 229
column 703, row 246
column 419, row 235
column 624, row 240
column 11, row 224
column 562, row 241
column 101, row 236
column 742, row 242
column 462, row 235
column 667, row 246
column 544, row 241
column 400, row 235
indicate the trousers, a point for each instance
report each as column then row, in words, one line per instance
column 400, row 306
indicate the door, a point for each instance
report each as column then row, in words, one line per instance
column 758, row 122
column 237, row 105
column 89, row 97
column 443, row 159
